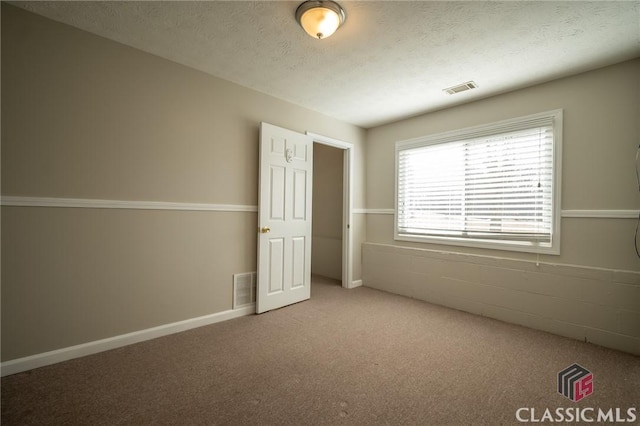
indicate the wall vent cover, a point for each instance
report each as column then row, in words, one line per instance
column 244, row 289
column 461, row 87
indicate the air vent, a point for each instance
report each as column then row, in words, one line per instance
column 244, row 289
column 461, row 88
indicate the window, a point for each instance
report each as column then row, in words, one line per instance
column 492, row 186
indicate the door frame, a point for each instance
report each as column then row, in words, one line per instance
column 347, row 203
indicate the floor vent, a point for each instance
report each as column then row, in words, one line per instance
column 461, row 87
column 244, row 289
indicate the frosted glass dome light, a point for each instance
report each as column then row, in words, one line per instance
column 320, row 18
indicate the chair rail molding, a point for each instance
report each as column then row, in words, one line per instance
column 16, row 201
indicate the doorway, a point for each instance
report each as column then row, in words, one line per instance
column 326, row 246
column 345, row 150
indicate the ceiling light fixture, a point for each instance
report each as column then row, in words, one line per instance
column 320, row 18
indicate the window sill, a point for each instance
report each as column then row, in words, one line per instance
column 520, row 246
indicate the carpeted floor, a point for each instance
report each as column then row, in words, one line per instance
column 361, row 357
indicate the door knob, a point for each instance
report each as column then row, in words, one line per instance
column 265, row 229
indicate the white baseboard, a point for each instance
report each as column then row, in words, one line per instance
column 356, row 283
column 47, row 358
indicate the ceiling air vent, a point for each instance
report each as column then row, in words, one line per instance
column 461, row 87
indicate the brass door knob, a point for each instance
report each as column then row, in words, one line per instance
column 265, row 229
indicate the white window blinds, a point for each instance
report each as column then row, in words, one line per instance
column 490, row 183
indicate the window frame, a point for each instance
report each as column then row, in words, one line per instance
column 494, row 128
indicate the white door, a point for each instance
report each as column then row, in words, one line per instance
column 284, row 218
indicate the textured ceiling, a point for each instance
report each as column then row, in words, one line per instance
column 389, row 61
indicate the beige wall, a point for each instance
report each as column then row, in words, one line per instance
column 596, row 296
column 601, row 135
column 595, row 305
column 326, row 258
column 84, row 117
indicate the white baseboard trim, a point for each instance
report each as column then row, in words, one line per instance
column 59, row 355
column 356, row 283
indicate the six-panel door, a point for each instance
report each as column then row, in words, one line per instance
column 284, row 218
